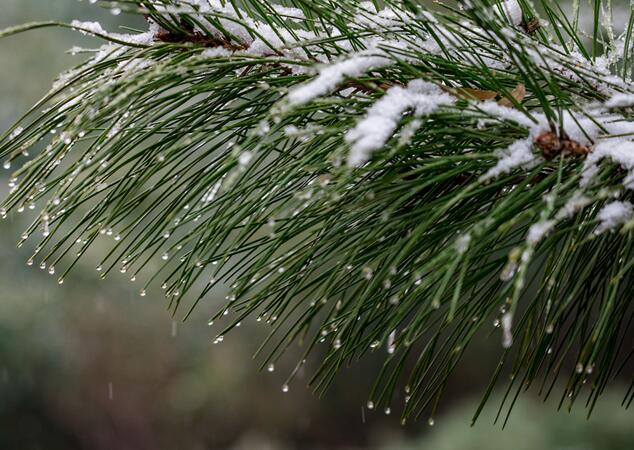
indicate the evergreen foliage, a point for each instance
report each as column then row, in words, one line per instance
column 374, row 176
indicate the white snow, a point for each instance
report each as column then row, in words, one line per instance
column 612, row 215
column 620, row 100
column 215, row 52
column 512, row 11
column 332, row 75
column 95, row 28
column 245, row 158
column 518, row 154
column 576, row 203
column 383, row 118
column 88, row 27
column 539, row 230
column 462, row 243
column 620, row 152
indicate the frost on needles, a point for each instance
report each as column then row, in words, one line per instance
column 362, row 179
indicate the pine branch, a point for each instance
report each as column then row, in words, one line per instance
column 361, row 177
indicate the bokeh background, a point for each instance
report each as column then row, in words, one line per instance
column 92, row 365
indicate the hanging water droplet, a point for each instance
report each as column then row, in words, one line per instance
column 51, row 270
column 60, row 281
column 431, row 422
column 7, row 165
column 165, row 256
column 285, row 388
column 370, row 404
column 142, row 293
column 271, row 367
column 391, row 345
column 388, row 411
column 507, row 338
column 29, row 262
column 99, row 268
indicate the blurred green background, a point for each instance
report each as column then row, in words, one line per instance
column 92, row 365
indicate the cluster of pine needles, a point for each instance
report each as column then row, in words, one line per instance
column 182, row 156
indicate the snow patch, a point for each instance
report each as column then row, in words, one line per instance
column 382, row 119
column 613, row 215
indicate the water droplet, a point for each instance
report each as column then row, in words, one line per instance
column 60, row 281
column 391, row 345
column 29, row 262
column 370, row 404
column 165, row 257
column 51, row 270
column 388, row 411
column 431, row 422
column 7, row 165
column 142, row 293
column 271, row 367
column 99, row 268
column 285, row 388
